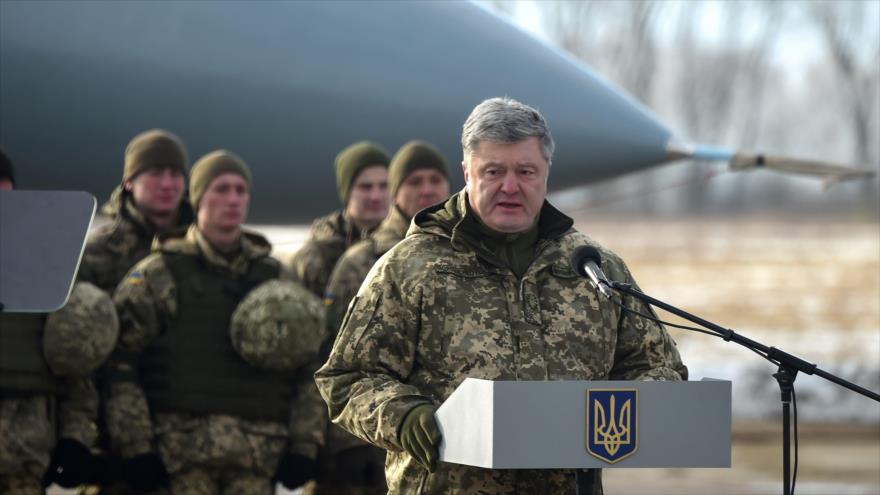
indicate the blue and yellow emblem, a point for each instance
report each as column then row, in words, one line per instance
column 135, row 278
column 612, row 423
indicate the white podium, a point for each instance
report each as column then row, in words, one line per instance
column 587, row 424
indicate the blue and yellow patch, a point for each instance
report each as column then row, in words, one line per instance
column 135, row 278
column 329, row 299
column 612, row 423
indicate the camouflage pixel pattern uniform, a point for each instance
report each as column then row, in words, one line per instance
column 355, row 263
column 112, row 250
column 31, row 422
column 347, row 277
column 330, row 236
column 110, row 253
column 201, row 452
column 437, row 308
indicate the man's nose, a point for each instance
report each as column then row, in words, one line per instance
column 166, row 179
column 378, row 193
column 510, row 184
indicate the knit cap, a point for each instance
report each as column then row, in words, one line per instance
column 353, row 160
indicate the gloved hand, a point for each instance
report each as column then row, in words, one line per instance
column 295, row 470
column 145, row 472
column 420, row 435
column 71, row 465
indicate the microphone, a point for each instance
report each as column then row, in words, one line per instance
column 586, row 260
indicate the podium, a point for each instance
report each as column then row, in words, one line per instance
column 574, row 424
column 42, row 236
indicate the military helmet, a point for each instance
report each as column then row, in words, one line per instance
column 79, row 336
column 278, row 326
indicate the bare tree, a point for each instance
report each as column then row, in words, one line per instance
column 846, row 26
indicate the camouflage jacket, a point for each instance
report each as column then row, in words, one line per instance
column 436, row 309
column 30, row 425
column 331, row 235
column 147, row 306
column 112, row 250
column 353, row 266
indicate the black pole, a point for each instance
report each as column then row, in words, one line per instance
column 785, row 378
column 786, row 449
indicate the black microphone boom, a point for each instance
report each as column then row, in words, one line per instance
column 586, row 262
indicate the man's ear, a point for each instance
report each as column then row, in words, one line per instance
column 127, row 185
column 464, row 171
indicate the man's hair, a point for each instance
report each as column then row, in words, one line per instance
column 505, row 120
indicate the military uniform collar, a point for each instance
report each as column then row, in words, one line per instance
column 335, row 227
column 122, row 210
column 446, row 219
column 395, row 224
column 192, row 242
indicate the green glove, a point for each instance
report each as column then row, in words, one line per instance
column 420, row 436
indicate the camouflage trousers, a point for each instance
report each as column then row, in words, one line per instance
column 201, row 481
column 21, row 484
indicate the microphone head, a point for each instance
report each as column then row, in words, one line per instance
column 583, row 254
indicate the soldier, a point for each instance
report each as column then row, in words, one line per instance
column 45, row 401
column 150, row 200
column 184, row 409
column 362, row 182
column 482, row 287
column 418, row 177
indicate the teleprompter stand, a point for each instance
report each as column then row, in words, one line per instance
column 789, row 366
column 42, row 234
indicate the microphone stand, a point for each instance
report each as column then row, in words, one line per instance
column 789, row 366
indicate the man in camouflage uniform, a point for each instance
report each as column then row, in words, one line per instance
column 482, row 287
column 40, row 410
column 149, row 201
column 362, row 182
column 184, row 410
column 418, row 177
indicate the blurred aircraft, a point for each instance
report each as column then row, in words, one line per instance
column 286, row 85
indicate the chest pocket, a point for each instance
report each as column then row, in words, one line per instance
column 580, row 329
column 472, row 315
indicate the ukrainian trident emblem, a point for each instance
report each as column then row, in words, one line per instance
column 612, row 423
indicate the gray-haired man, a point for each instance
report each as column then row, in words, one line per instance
column 481, row 287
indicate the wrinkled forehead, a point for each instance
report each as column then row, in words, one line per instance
column 523, row 152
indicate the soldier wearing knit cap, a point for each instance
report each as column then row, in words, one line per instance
column 211, row 166
column 362, row 183
column 149, row 200
column 418, row 177
column 184, row 409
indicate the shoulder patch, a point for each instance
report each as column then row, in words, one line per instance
column 135, row 278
